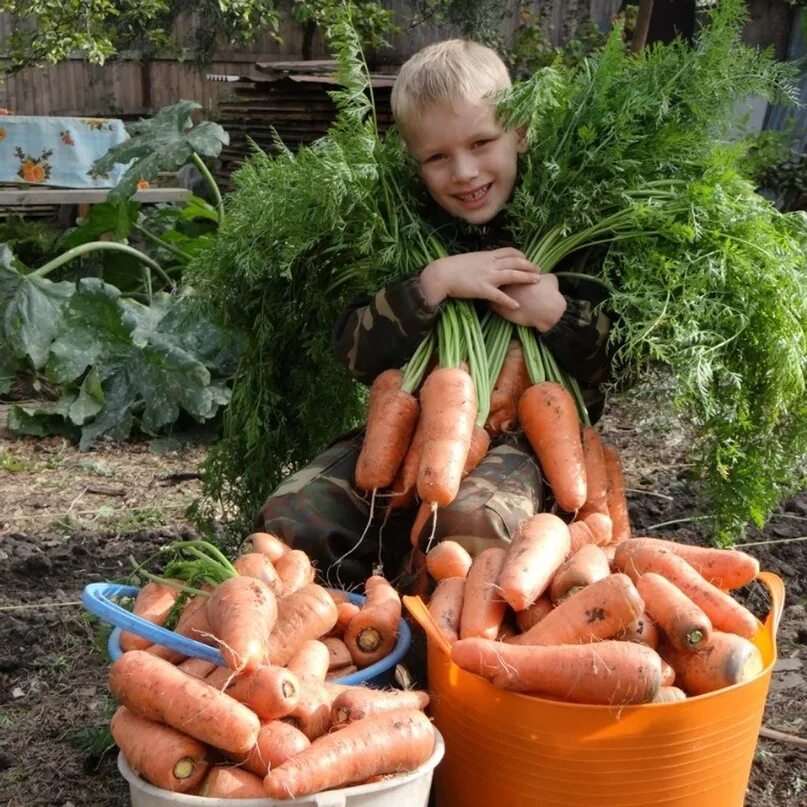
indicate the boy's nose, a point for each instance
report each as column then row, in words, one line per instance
column 464, row 168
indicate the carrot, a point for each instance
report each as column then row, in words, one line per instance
column 267, row 544
column 598, row 611
column 311, row 661
column 580, row 535
column 391, row 419
column 584, row 567
column 196, row 667
column 241, row 612
column 341, row 672
column 229, row 782
column 345, row 611
column 404, row 487
column 258, row 565
column 448, row 409
column 270, row 691
column 600, row 526
column 667, row 673
column 724, row 568
column 482, row 605
column 643, row 631
column 153, row 603
column 160, row 754
column 548, row 415
column 156, row 689
column 596, row 475
column 608, row 672
column 422, row 518
column 683, row 623
column 617, row 502
column 480, row 443
column 669, row 694
column 541, row 545
column 445, row 606
column 277, row 741
column 357, row 703
column 726, row 659
column 725, row 613
column 338, row 653
column 312, row 714
column 448, row 559
column 534, row 614
column 307, row 613
column 511, row 383
column 294, row 570
column 391, row 742
column 372, row 633
column 193, row 624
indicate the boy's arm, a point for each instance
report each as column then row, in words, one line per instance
column 381, row 331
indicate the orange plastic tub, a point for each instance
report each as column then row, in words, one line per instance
column 504, row 748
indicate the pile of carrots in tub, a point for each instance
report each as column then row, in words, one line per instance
column 274, row 722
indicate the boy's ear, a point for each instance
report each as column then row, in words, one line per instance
column 521, row 143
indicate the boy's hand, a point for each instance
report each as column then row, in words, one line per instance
column 479, row 275
column 541, row 304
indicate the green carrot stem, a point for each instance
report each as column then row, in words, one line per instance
column 559, row 376
column 211, row 183
column 532, row 354
column 166, row 581
column 477, row 358
column 415, row 368
column 497, row 339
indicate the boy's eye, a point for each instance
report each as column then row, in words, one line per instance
column 481, row 143
column 433, row 158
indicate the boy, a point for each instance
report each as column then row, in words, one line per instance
column 443, row 103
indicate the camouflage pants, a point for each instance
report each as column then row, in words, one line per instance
column 319, row 510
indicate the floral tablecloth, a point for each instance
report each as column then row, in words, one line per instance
column 57, row 152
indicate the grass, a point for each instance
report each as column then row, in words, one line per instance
column 14, row 465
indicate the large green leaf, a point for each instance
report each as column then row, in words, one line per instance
column 31, row 309
column 162, row 143
column 103, row 219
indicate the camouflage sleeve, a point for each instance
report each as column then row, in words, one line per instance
column 381, row 331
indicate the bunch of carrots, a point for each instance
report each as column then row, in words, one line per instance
column 650, row 621
column 275, row 721
column 424, row 436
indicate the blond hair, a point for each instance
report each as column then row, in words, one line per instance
column 449, row 72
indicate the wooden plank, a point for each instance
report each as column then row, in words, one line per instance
column 60, row 196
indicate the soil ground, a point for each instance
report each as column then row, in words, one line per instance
column 68, row 519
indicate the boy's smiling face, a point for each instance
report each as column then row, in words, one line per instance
column 467, row 160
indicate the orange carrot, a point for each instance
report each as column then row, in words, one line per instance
column 580, row 535
column 606, row 672
column 153, row 603
column 669, row 694
column 480, row 443
column 271, row 692
column 482, row 605
column 548, row 415
column 725, row 568
column 241, row 612
column 726, row 659
column 356, row 703
column 541, row 545
column 643, row 631
column 311, row 661
column 277, row 741
column 229, row 782
column 683, row 623
column 193, row 624
column 445, row 606
column 596, row 475
column 667, row 674
column 160, row 754
column 294, row 570
column 258, row 565
column 595, row 612
column 267, row 544
column 617, row 502
column 156, row 689
column 448, row 409
column 345, row 611
column 534, row 614
column 305, row 614
column 584, row 567
column 404, row 487
column 725, row 613
column 512, row 382
column 448, row 559
column 372, row 633
column 391, row 742
column 391, row 419
column 340, row 672
column 312, row 715
column 338, row 653
column 196, row 667
column 423, row 517
column 600, row 526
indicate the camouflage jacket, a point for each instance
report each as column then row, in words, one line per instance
column 382, row 330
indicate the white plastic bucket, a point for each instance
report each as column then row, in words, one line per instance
column 407, row 790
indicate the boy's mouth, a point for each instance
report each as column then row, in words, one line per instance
column 475, row 195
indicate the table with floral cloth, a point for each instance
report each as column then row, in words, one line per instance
column 57, row 151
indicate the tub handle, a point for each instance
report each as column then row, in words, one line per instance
column 420, row 613
column 776, row 590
